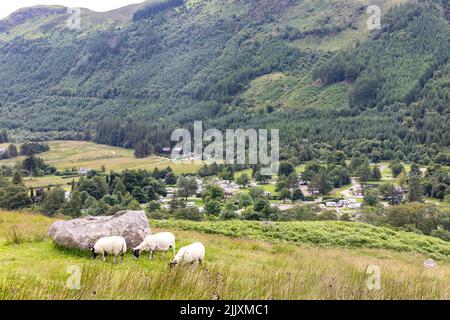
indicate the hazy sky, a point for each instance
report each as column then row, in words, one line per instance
column 9, row 6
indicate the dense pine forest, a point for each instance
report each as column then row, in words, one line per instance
column 250, row 64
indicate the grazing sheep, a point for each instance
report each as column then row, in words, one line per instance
column 110, row 245
column 158, row 242
column 190, row 254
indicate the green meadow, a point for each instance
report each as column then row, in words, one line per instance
column 238, row 265
column 82, row 154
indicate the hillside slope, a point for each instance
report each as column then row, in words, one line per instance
column 326, row 234
column 42, row 21
column 311, row 68
column 34, row 268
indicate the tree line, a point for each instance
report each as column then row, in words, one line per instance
column 156, row 8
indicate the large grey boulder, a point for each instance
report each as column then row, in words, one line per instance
column 82, row 233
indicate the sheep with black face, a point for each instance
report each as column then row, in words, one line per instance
column 158, row 242
column 110, row 245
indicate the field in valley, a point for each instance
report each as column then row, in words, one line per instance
column 235, row 268
column 89, row 155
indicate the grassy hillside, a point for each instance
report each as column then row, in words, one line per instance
column 40, row 21
column 334, row 234
column 33, row 268
column 330, row 25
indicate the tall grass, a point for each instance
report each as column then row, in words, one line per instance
column 234, row 269
column 17, row 228
column 320, row 233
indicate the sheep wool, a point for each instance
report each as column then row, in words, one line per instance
column 110, row 245
column 158, row 242
column 190, row 254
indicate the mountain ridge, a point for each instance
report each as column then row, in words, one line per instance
column 52, row 18
column 253, row 63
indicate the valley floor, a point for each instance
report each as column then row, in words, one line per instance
column 32, row 267
column 89, row 155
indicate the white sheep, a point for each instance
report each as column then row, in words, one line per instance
column 158, row 242
column 110, row 245
column 190, row 254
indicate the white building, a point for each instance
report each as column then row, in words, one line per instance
column 190, row 205
column 170, row 190
column 84, row 170
column 342, row 203
column 355, row 205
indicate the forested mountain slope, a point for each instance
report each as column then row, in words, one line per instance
column 308, row 67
